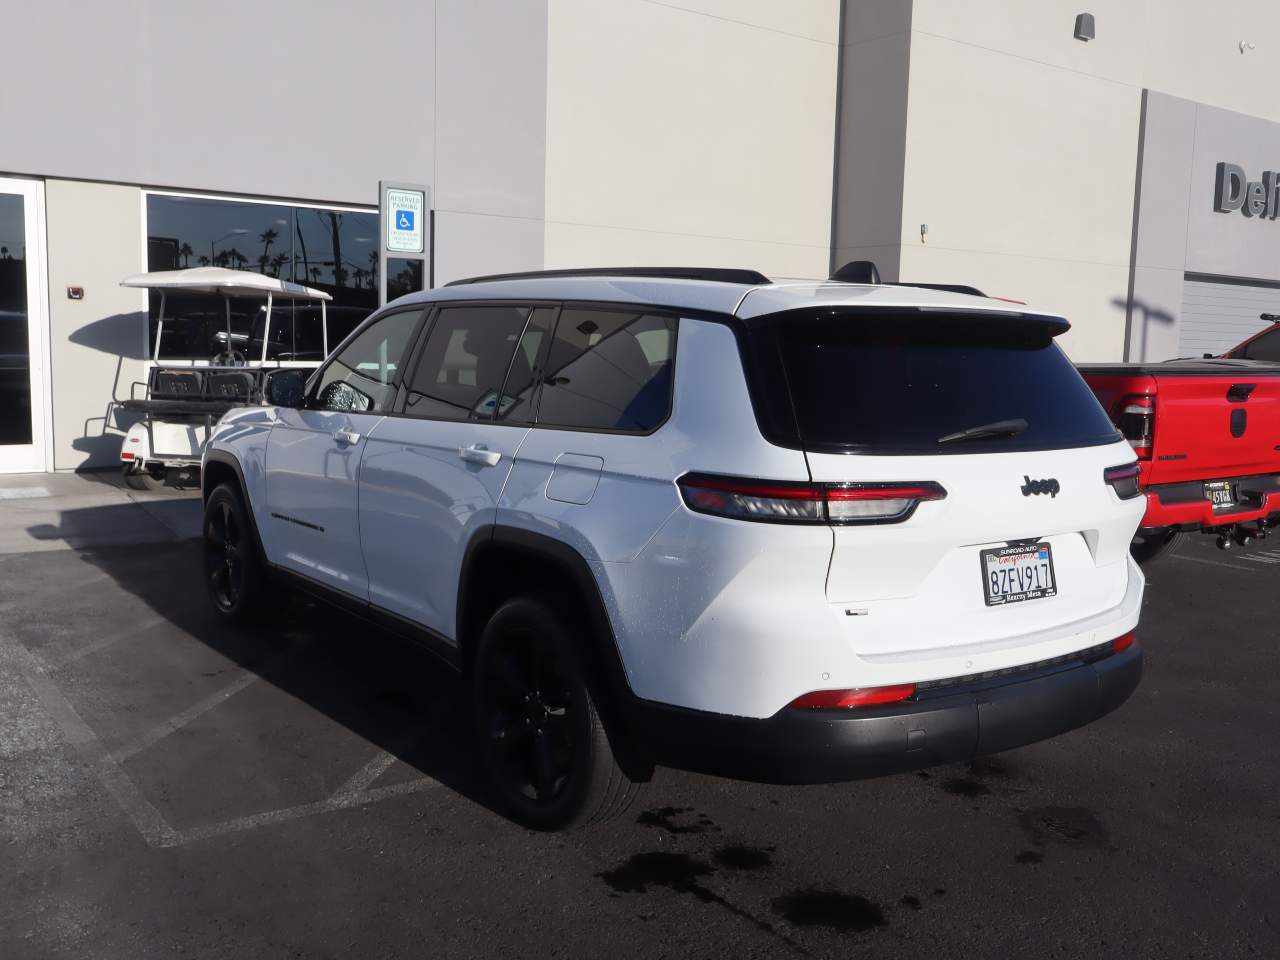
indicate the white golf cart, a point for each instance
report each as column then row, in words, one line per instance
column 184, row 399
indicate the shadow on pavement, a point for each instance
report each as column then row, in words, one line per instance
column 385, row 689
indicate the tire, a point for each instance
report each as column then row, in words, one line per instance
column 1151, row 546
column 137, row 477
column 542, row 743
column 233, row 569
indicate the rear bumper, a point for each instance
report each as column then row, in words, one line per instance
column 827, row 746
column 1183, row 505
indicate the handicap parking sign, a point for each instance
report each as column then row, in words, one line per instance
column 404, row 221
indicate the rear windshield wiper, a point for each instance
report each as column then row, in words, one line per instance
column 1000, row 428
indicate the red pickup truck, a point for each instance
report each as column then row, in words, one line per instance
column 1207, row 437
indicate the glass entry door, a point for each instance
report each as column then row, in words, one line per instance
column 22, row 313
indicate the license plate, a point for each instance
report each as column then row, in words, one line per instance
column 1218, row 492
column 1016, row 573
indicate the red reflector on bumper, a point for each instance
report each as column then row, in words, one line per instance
column 1122, row 643
column 860, row 697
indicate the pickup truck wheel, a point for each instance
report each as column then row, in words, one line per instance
column 137, row 477
column 1152, row 545
column 541, row 739
column 233, row 572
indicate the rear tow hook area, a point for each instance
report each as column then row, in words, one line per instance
column 1243, row 534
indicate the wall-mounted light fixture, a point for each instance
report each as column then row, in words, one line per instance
column 924, row 233
column 1084, row 27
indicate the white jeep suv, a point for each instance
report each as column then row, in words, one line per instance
column 791, row 532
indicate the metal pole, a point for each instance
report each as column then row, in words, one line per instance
column 155, row 353
column 266, row 331
column 230, row 355
column 324, row 331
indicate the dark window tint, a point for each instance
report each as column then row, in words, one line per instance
column 362, row 378
column 608, row 370
column 896, row 384
column 403, row 276
column 15, row 349
column 516, row 405
column 328, row 250
column 464, row 362
column 1266, row 347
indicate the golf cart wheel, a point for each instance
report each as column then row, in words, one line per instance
column 232, row 570
column 137, row 477
column 1149, row 546
column 541, row 739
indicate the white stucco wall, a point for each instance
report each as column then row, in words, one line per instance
column 691, row 133
column 1022, row 142
column 96, row 344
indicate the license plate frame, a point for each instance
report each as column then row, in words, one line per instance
column 1221, row 494
column 1007, row 558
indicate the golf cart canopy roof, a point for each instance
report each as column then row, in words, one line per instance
column 220, row 280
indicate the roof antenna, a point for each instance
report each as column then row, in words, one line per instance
column 857, row 271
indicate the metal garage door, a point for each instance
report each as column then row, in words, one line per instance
column 1216, row 316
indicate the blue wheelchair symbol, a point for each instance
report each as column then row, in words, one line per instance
column 404, row 219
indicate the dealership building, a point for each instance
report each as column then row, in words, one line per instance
column 1116, row 161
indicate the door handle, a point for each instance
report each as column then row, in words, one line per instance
column 480, row 454
column 347, row 438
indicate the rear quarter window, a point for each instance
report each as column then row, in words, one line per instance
column 897, row 383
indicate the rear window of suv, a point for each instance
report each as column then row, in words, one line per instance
column 898, row 383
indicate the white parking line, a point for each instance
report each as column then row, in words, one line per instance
column 1212, row 563
column 180, row 720
column 333, row 803
column 146, row 818
column 129, row 633
column 365, row 776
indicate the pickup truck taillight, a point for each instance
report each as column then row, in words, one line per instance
column 1135, row 417
column 1123, row 480
column 778, row 501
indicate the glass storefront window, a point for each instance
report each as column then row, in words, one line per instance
column 324, row 249
column 15, row 348
column 403, row 276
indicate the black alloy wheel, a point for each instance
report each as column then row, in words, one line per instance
column 542, row 742
column 529, row 718
column 231, row 567
column 224, row 546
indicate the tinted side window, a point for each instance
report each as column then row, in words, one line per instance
column 1266, row 347
column 608, row 370
column 362, row 378
column 464, row 362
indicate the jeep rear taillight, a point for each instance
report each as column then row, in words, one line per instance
column 1123, row 480
column 1135, row 417
column 774, row 501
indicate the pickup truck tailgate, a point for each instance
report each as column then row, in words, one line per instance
column 1213, row 418
column 1215, row 427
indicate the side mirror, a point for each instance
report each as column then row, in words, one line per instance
column 286, row 388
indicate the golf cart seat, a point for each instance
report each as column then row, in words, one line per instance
column 240, row 386
column 170, row 384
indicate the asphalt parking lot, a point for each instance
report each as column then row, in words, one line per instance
column 169, row 787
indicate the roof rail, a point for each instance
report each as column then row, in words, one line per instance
column 717, row 274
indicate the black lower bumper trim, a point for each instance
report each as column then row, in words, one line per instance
column 827, row 746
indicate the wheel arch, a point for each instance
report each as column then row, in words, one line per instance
column 220, row 467
column 502, row 562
